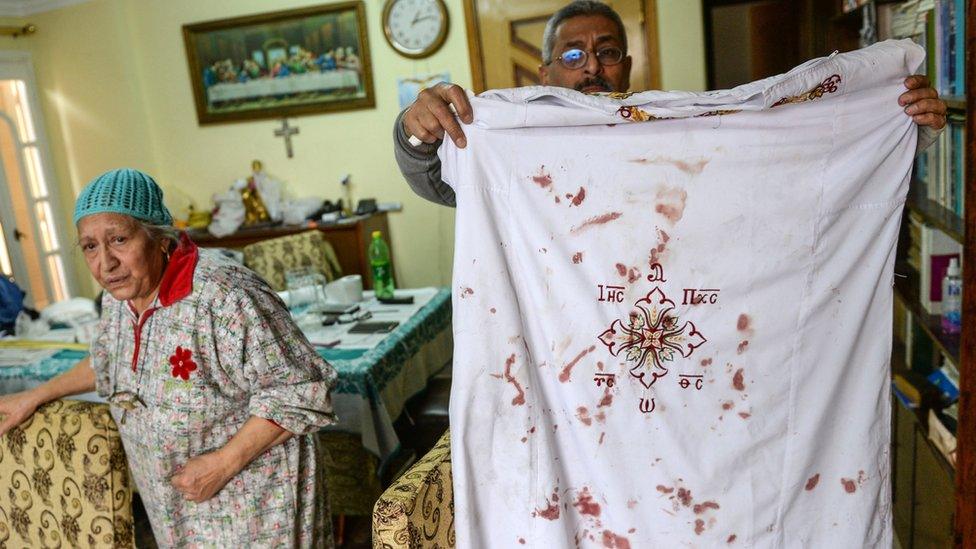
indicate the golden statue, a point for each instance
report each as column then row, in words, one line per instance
column 254, row 209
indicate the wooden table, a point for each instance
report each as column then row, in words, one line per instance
column 350, row 239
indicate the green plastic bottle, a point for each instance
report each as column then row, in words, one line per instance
column 379, row 259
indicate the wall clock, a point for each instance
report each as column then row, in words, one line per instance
column 415, row 28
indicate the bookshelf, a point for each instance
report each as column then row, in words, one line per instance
column 933, row 501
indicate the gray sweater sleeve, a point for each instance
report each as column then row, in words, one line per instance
column 421, row 167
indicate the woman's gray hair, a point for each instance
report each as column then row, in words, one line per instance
column 576, row 9
column 158, row 233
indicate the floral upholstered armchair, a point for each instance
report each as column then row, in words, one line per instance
column 64, row 480
column 417, row 510
column 272, row 258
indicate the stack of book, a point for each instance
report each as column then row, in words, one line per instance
column 942, row 167
column 938, row 26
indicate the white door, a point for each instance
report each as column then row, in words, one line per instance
column 33, row 241
column 11, row 260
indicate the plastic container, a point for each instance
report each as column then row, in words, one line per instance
column 379, row 260
column 952, row 299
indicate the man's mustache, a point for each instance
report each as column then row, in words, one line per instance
column 594, row 81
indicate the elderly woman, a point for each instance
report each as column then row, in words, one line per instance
column 214, row 388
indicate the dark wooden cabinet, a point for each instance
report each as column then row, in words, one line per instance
column 902, row 469
column 923, row 489
column 349, row 239
column 935, row 498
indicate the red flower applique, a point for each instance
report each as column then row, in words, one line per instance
column 182, row 364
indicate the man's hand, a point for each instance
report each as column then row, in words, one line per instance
column 430, row 115
column 16, row 408
column 203, row 476
column 922, row 103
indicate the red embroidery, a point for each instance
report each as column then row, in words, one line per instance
column 182, row 363
column 829, row 85
column 651, row 337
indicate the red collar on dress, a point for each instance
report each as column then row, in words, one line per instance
column 177, row 281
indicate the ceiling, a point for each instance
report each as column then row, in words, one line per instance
column 23, row 8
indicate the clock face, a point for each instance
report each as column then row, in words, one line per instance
column 415, row 28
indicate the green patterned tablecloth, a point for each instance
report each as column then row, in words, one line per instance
column 363, row 371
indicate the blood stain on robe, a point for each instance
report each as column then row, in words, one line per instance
column 621, row 269
column 584, row 416
column 585, row 504
column 654, row 256
column 700, row 508
column 684, row 496
column 613, row 541
column 542, row 179
column 578, row 258
column 738, row 380
column 493, row 311
column 598, row 220
column 568, row 369
column 465, row 292
column 744, row 324
column 742, row 347
column 812, row 482
column 664, row 489
column 671, row 204
column 633, row 275
column 706, row 362
column 849, row 484
column 607, row 399
column 579, row 198
column 519, row 399
column 699, row 526
column 551, row 512
column 690, row 167
column 731, row 539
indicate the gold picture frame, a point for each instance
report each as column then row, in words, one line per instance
column 280, row 64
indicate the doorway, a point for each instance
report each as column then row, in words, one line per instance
column 747, row 40
column 505, row 39
column 32, row 246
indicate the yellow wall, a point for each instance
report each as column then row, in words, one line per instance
column 115, row 91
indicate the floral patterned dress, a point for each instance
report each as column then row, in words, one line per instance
column 216, row 348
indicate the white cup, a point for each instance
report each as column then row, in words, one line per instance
column 347, row 290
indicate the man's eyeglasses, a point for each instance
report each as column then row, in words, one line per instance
column 576, row 58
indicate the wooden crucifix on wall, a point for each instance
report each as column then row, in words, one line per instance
column 286, row 132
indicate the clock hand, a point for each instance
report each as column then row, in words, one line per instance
column 415, row 21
